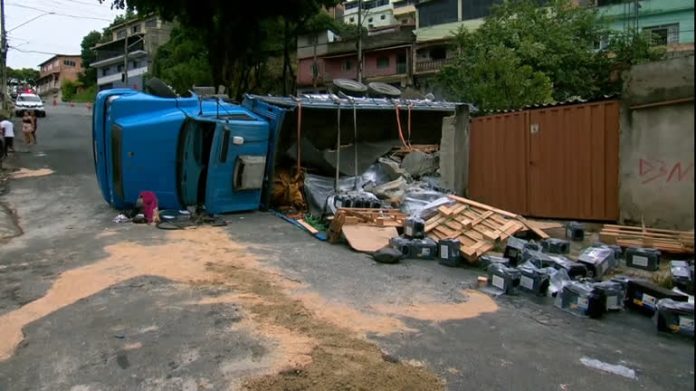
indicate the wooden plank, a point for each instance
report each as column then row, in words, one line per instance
column 541, row 234
column 466, row 223
column 640, row 229
column 366, row 238
column 643, row 234
column 430, row 226
column 459, row 208
column 445, row 211
column 454, row 225
column 473, row 235
column 482, row 206
column 308, row 227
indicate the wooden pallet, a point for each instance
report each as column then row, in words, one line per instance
column 670, row 241
column 364, row 216
column 477, row 226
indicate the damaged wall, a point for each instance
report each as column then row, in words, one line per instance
column 657, row 144
column 454, row 151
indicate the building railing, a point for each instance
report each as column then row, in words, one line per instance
column 432, row 65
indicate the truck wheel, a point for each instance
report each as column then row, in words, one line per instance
column 157, row 87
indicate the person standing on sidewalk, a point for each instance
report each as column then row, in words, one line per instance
column 7, row 129
column 28, row 128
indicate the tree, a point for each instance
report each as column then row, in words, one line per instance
column 28, row 75
column 236, row 40
column 181, row 62
column 88, row 76
column 524, row 54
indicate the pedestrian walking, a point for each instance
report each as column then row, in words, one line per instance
column 28, row 128
column 35, row 122
column 7, row 129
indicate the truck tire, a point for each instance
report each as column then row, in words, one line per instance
column 157, row 87
column 350, row 87
column 383, row 90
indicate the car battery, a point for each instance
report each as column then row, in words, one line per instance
column 597, row 260
column 618, row 252
column 514, row 248
column 683, row 275
column 675, row 317
column 555, row 246
column 575, row 231
column 422, row 248
column 574, row 269
column 505, row 278
column 642, row 296
column 536, row 258
column 533, row 280
column 487, row 260
column 615, row 294
column 400, row 243
column 582, row 299
column 449, row 254
column 643, row 258
column 414, row 227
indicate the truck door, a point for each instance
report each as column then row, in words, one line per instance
column 237, row 165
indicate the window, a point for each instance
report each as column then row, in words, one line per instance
column 151, row 23
column 119, row 68
column 105, row 71
column 369, row 20
column 135, row 29
column 347, row 65
column 135, row 64
column 121, row 33
column 69, row 63
column 382, row 17
column 352, row 19
column 382, row 62
column 664, row 35
column 439, row 53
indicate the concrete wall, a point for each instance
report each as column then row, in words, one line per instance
column 656, row 168
column 454, row 151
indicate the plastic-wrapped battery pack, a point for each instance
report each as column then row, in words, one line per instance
column 675, row 317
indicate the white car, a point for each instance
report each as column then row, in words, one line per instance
column 26, row 102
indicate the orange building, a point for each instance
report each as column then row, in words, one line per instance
column 54, row 71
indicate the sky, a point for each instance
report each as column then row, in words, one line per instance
column 57, row 33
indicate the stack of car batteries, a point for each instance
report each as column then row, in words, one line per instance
column 533, row 280
column 555, row 246
column 504, row 278
column 618, row 252
column 574, row 269
column 615, row 293
column 582, row 299
column 642, row 296
column 449, row 253
column 675, row 317
column 597, row 260
column 515, row 247
column 643, row 258
column 357, row 199
column 683, row 275
column 487, row 260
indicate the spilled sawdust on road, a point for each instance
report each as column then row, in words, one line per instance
column 315, row 344
column 28, row 173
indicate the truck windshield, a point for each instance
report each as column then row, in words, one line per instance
column 28, row 98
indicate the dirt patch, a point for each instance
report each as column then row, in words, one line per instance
column 27, row 173
column 307, row 352
column 472, row 304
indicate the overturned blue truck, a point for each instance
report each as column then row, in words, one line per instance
column 207, row 152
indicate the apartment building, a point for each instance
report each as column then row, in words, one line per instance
column 129, row 52
column 54, row 71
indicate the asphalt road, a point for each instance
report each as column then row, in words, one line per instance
column 104, row 306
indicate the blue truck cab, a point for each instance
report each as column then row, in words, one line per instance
column 189, row 151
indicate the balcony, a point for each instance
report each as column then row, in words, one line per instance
column 423, row 66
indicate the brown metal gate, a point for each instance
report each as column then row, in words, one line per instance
column 556, row 162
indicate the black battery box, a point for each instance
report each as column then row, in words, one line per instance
column 675, row 317
column 597, row 260
column 487, row 260
column 533, row 280
column 449, row 253
column 555, row 246
column 515, row 247
column 615, row 293
column 582, row 299
column 643, row 258
column 504, row 278
column 575, row 231
column 642, row 296
column 414, row 228
column 683, row 275
column 574, row 269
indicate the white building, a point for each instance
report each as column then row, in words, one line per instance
column 375, row 13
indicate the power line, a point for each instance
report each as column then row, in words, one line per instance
column 32, row 51
column 59, row 13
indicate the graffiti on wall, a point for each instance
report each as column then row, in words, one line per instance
column 660, row 171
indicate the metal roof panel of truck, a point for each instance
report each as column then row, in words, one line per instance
column 331, row 101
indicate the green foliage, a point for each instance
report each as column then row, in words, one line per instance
column 525, row 54
column 28, row 75
column 89, row 75
column 86, row 94
column 238, row 38
column 69, row 89
column 183, row 61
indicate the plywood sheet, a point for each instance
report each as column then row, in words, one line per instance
column 366, row 238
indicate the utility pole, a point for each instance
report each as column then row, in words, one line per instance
column 125, row 60
column 360, row 70
column 3, row 52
